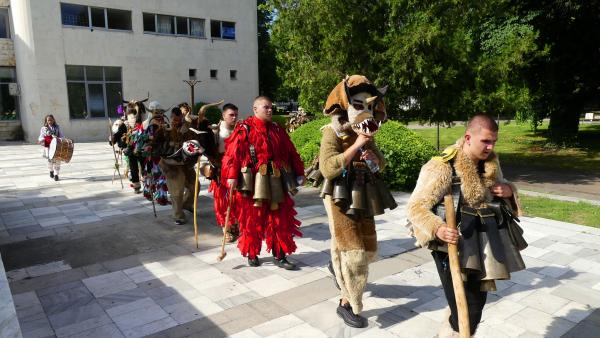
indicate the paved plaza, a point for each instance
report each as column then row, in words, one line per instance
column 84, row 258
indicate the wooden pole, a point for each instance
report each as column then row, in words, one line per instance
column 196, row 184
column 226, row 225
column 457, row 282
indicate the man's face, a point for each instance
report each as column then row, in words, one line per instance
column 263, row 109
column 176, row 120
column 480, row 143
column 230, row 117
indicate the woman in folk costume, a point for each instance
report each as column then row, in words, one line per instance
column 262, row 154
column 188, row 137
column 212, row 171
column 488, row 240
column 50, row 130
column 353, row 191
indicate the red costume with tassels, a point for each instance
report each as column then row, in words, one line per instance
column 272, row 144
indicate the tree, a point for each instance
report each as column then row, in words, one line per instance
column 268, row 81
column 569, row 76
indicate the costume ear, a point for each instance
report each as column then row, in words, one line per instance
column 382, row 90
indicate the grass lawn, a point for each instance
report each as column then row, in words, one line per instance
column 518, row 144
column 578, row 213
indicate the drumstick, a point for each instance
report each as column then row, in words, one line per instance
column 196, row 202
column 226, row 226
column 457, row 282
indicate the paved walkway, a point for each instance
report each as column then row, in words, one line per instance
column 85, row 258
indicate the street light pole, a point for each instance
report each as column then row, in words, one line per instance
column 192, row 83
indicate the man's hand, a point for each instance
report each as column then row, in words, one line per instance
column 368, row 155
column 231, row 182
column 446, row 234
column 501, row 190
column 361, row 140
column 300, row 180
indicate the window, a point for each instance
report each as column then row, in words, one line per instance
column 4, row 24
column 233, row 74
column 213, row 73
column 8, row 102
column 93, row 91
column 173, row 25
column 192, row 74
column 95, row 17
column 222, row 29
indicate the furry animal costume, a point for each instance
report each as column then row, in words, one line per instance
column 351, row 220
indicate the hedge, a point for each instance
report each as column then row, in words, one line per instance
column 405, row 152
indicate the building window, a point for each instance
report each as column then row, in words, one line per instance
column 222, row 29
column 192, row 74
column 93, row 91
column 95, row 17
column 4, row 24
column 233, row 74
column 173, row 25
column 213, row 73
column 8, row 102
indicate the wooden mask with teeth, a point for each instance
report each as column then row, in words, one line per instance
column 356, row 104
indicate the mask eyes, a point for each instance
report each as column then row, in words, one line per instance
column 358, row 106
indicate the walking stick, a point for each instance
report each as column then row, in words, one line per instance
column 112, row 143
column 196, row 202
column 226, row 226
column 457, row 282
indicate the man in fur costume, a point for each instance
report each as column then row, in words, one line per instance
column 188, row 137
column 471, row 172
column 262, row 154
column 212, row 171
column 353, row 192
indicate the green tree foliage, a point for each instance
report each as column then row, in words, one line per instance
column 443, row 60
column 268, row 81
column 568, row 79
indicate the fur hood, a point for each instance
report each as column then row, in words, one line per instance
column 434, row 182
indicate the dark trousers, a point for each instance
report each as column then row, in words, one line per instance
column 135, row 164
column 475, row 299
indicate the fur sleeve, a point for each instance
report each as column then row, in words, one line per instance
column 435, row 180
column 331, row 155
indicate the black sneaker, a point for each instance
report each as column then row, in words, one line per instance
column 253, row 262
column 56, row 177
column 330, row 268
column 179, row 222
column 284, row 263
column 52, row 174
column 351, row 319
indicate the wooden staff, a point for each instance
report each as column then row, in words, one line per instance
column 457, row 282
column 196, row 202
column 112, row 143
column 226, row 226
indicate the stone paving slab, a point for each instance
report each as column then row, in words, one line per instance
column 135, row 275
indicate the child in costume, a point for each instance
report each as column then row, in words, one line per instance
column 50, row 130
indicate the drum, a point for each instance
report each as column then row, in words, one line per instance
column 61, row 149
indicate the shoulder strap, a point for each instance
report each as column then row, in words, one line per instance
column 253, row 157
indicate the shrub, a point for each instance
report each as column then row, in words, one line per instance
column 280, row 120
column 405, row 152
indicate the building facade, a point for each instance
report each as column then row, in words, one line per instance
column 74, row 58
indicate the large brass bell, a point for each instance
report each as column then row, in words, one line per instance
column 316, row 177
column 262, row 189
column 246, row 181
column 341, row 195
column 374, row 200
column 387, row 200
column 359, row 198
column 289, row 182
column 276, row 187
column 327, row 188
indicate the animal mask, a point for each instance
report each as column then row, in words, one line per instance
column 135, row 110
column 356, row 104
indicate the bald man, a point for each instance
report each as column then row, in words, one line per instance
column 471, row 171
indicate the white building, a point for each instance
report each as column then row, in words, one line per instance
column 73, row 57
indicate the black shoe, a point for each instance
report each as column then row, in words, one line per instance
column 253, row 262
column 56, row 177
column 284, row 263
column 179, row 222
column 52, row 174
column 330, row 268
column 345, row 312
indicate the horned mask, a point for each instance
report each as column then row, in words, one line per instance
column 356, row 104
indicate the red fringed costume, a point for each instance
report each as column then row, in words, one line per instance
column 220, row 193
column 278, row 227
